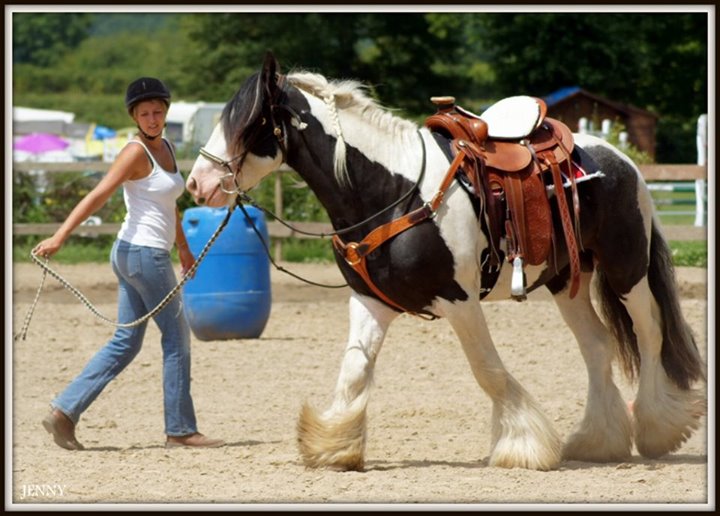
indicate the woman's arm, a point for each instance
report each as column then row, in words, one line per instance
column 186, row 257
column 124, row 168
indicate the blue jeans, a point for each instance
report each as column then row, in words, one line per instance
column 145, row 276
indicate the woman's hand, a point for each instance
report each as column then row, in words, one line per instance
column 47, row 247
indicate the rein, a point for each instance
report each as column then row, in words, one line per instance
column 245, row 197
column 354, row 253
column 279, row 131
column 272, row 261
column 166, row 300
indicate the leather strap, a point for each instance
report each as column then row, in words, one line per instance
column 565, row 146
column 514, row 199
column 355, row 253
column 567, row 223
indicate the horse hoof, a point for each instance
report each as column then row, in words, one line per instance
column 336, row 443
column 662, row 427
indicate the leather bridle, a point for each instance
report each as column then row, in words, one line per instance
column 225, row 164
column 277, row 130
column 354, row 253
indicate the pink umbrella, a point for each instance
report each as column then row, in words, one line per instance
column 37, row 143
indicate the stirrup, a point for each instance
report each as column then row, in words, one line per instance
column 517, row 284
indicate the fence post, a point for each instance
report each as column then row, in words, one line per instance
column 605, row 129
column 583, row 125
column 701, row 139
column 623, row 139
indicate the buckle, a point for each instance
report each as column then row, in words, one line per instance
column 352, row 246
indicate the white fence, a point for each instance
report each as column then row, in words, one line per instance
column 662, row 177
column 699, row 186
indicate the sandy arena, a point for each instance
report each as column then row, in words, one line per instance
column 428, row 421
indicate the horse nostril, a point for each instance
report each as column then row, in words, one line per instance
column 191, row 185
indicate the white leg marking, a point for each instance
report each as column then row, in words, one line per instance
column 521, row 434
column 664, row 415
column 605, row 433
column 336, row 439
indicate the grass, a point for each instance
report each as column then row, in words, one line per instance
column 76, row 249
column 83, row 249
column 690, row 253
column 304, row 251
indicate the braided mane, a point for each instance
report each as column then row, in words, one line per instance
column 351, row 96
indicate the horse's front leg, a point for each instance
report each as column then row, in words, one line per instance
column 336, row 438
column 521, row 434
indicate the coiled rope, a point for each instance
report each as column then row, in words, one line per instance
column 48, row 270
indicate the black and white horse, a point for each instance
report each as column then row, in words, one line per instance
column 358, row 159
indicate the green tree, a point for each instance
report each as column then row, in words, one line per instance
column 39, row 38
column 394, row 53
column 656, row 61
column 675, row 84
column 537, row 53
column 82, row 62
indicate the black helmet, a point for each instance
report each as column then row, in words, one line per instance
column 146, row 88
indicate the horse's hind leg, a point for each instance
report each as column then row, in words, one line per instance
column 336, row 438
column 521, row 434
column 605, row 433
column 665, row 414
column 640, row 299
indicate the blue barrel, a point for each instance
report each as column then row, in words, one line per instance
column 229, row 297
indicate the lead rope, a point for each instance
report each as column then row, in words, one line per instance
column 48, row 270
column 269, row 255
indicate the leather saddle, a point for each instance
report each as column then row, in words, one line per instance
column 511, row 152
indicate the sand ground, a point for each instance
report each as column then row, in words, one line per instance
column 428, row 421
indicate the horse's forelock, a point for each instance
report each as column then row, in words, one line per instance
column 242, row 110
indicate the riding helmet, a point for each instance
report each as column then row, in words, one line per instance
column 146, row 88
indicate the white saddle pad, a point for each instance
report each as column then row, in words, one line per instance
column 512, row 118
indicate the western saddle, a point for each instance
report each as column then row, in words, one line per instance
column 508, row 151
column 505, row 153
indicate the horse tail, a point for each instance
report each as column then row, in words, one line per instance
column 680, row 357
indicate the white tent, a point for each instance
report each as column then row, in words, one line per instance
column 23, row 114
column 188, row 121
column 179, row 120
column 31, row 120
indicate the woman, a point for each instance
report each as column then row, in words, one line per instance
column 140, row 258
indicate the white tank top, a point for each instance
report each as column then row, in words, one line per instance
column 150, row 204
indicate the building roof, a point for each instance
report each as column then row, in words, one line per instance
column 560, row 95
column 568, row 92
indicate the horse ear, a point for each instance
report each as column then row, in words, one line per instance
column 269, row 71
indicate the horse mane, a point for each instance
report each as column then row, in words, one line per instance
column 351, row 96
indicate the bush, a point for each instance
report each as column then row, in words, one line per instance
column 307, row 251
column 51, row 197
